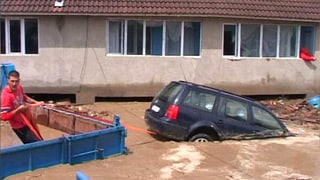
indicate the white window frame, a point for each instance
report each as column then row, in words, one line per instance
column 124, row 43
column 238, row 42
column 22, row 35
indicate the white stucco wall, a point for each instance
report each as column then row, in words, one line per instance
column 72, row 59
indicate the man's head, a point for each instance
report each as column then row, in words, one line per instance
column 14, row 80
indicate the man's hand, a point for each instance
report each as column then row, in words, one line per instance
column 40, row 103
column 37, row 103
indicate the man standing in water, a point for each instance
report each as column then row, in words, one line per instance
column 15, row 108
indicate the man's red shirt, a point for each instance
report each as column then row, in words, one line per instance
column 10, row 100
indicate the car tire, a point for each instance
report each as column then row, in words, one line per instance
column 201, row 138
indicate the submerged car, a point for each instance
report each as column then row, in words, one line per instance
column 186, row 111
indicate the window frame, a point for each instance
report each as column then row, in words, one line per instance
column 237, row 36
column 22, row 43
column 197, row 42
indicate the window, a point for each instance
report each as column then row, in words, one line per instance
column 169, row 92
column 116, row 37
column 2, row 37
column 157, row 38
column 154, row 30
column 31, row 36
column 135, row 37
column 267, row 40
column 307, row 38
column 233, row 109
column 250, row 40
column 288, row 41
column 173, row 38
column 265, row 119
column 191, row 43
column 19, row 36
column 230, row 40
column 200, row 100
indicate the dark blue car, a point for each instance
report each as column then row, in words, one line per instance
column 186, row 111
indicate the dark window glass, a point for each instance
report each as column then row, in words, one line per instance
column 15, row 36
column 169, row 92
column 154, row 37
column 307, row 38
column 31, row 36
column 135, row 37
column 229, row 40
column 2, row 37
column 191, row 45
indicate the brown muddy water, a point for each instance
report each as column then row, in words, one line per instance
column 292, row 158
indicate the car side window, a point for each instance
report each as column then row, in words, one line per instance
column 265, row 119
column 200, row 100
column 233, row 109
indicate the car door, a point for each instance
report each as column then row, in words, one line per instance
column 234, row 118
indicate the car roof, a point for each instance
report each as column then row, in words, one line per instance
column 218, row 91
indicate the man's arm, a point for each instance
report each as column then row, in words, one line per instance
column 33, row 101
column 29, row 100
column 7, row 112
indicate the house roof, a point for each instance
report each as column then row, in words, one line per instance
column 297, row 10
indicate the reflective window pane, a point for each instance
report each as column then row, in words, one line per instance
column 288, row 41
column 269, row 42
column 250, row 40
column 135, row 37
column 116, row 37
column 15, row 36
column 173, row 38
column 154, row 31
column 31, row 36
column 230, row 40
column 2, row 37
column 191, row 45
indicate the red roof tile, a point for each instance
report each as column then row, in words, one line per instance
column 286, row 9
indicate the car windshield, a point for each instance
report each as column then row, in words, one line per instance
column 170, row 91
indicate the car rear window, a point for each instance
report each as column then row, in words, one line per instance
column 170, row 91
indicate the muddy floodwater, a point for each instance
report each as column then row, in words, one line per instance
column 151, row 157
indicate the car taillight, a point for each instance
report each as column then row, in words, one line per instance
column 173, row 112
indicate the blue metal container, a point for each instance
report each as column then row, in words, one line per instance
column 5, row 69
column 314, row 102
column 71, row 149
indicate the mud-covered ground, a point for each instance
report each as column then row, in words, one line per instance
column 156, row 158
column 296, row 111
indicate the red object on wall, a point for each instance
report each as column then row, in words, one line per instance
column 306, row 55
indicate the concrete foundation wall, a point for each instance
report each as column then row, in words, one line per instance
column 73, row 59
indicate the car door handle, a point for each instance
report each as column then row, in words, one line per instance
column 220, row 121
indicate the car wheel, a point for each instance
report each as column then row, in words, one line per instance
column 201, row 138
